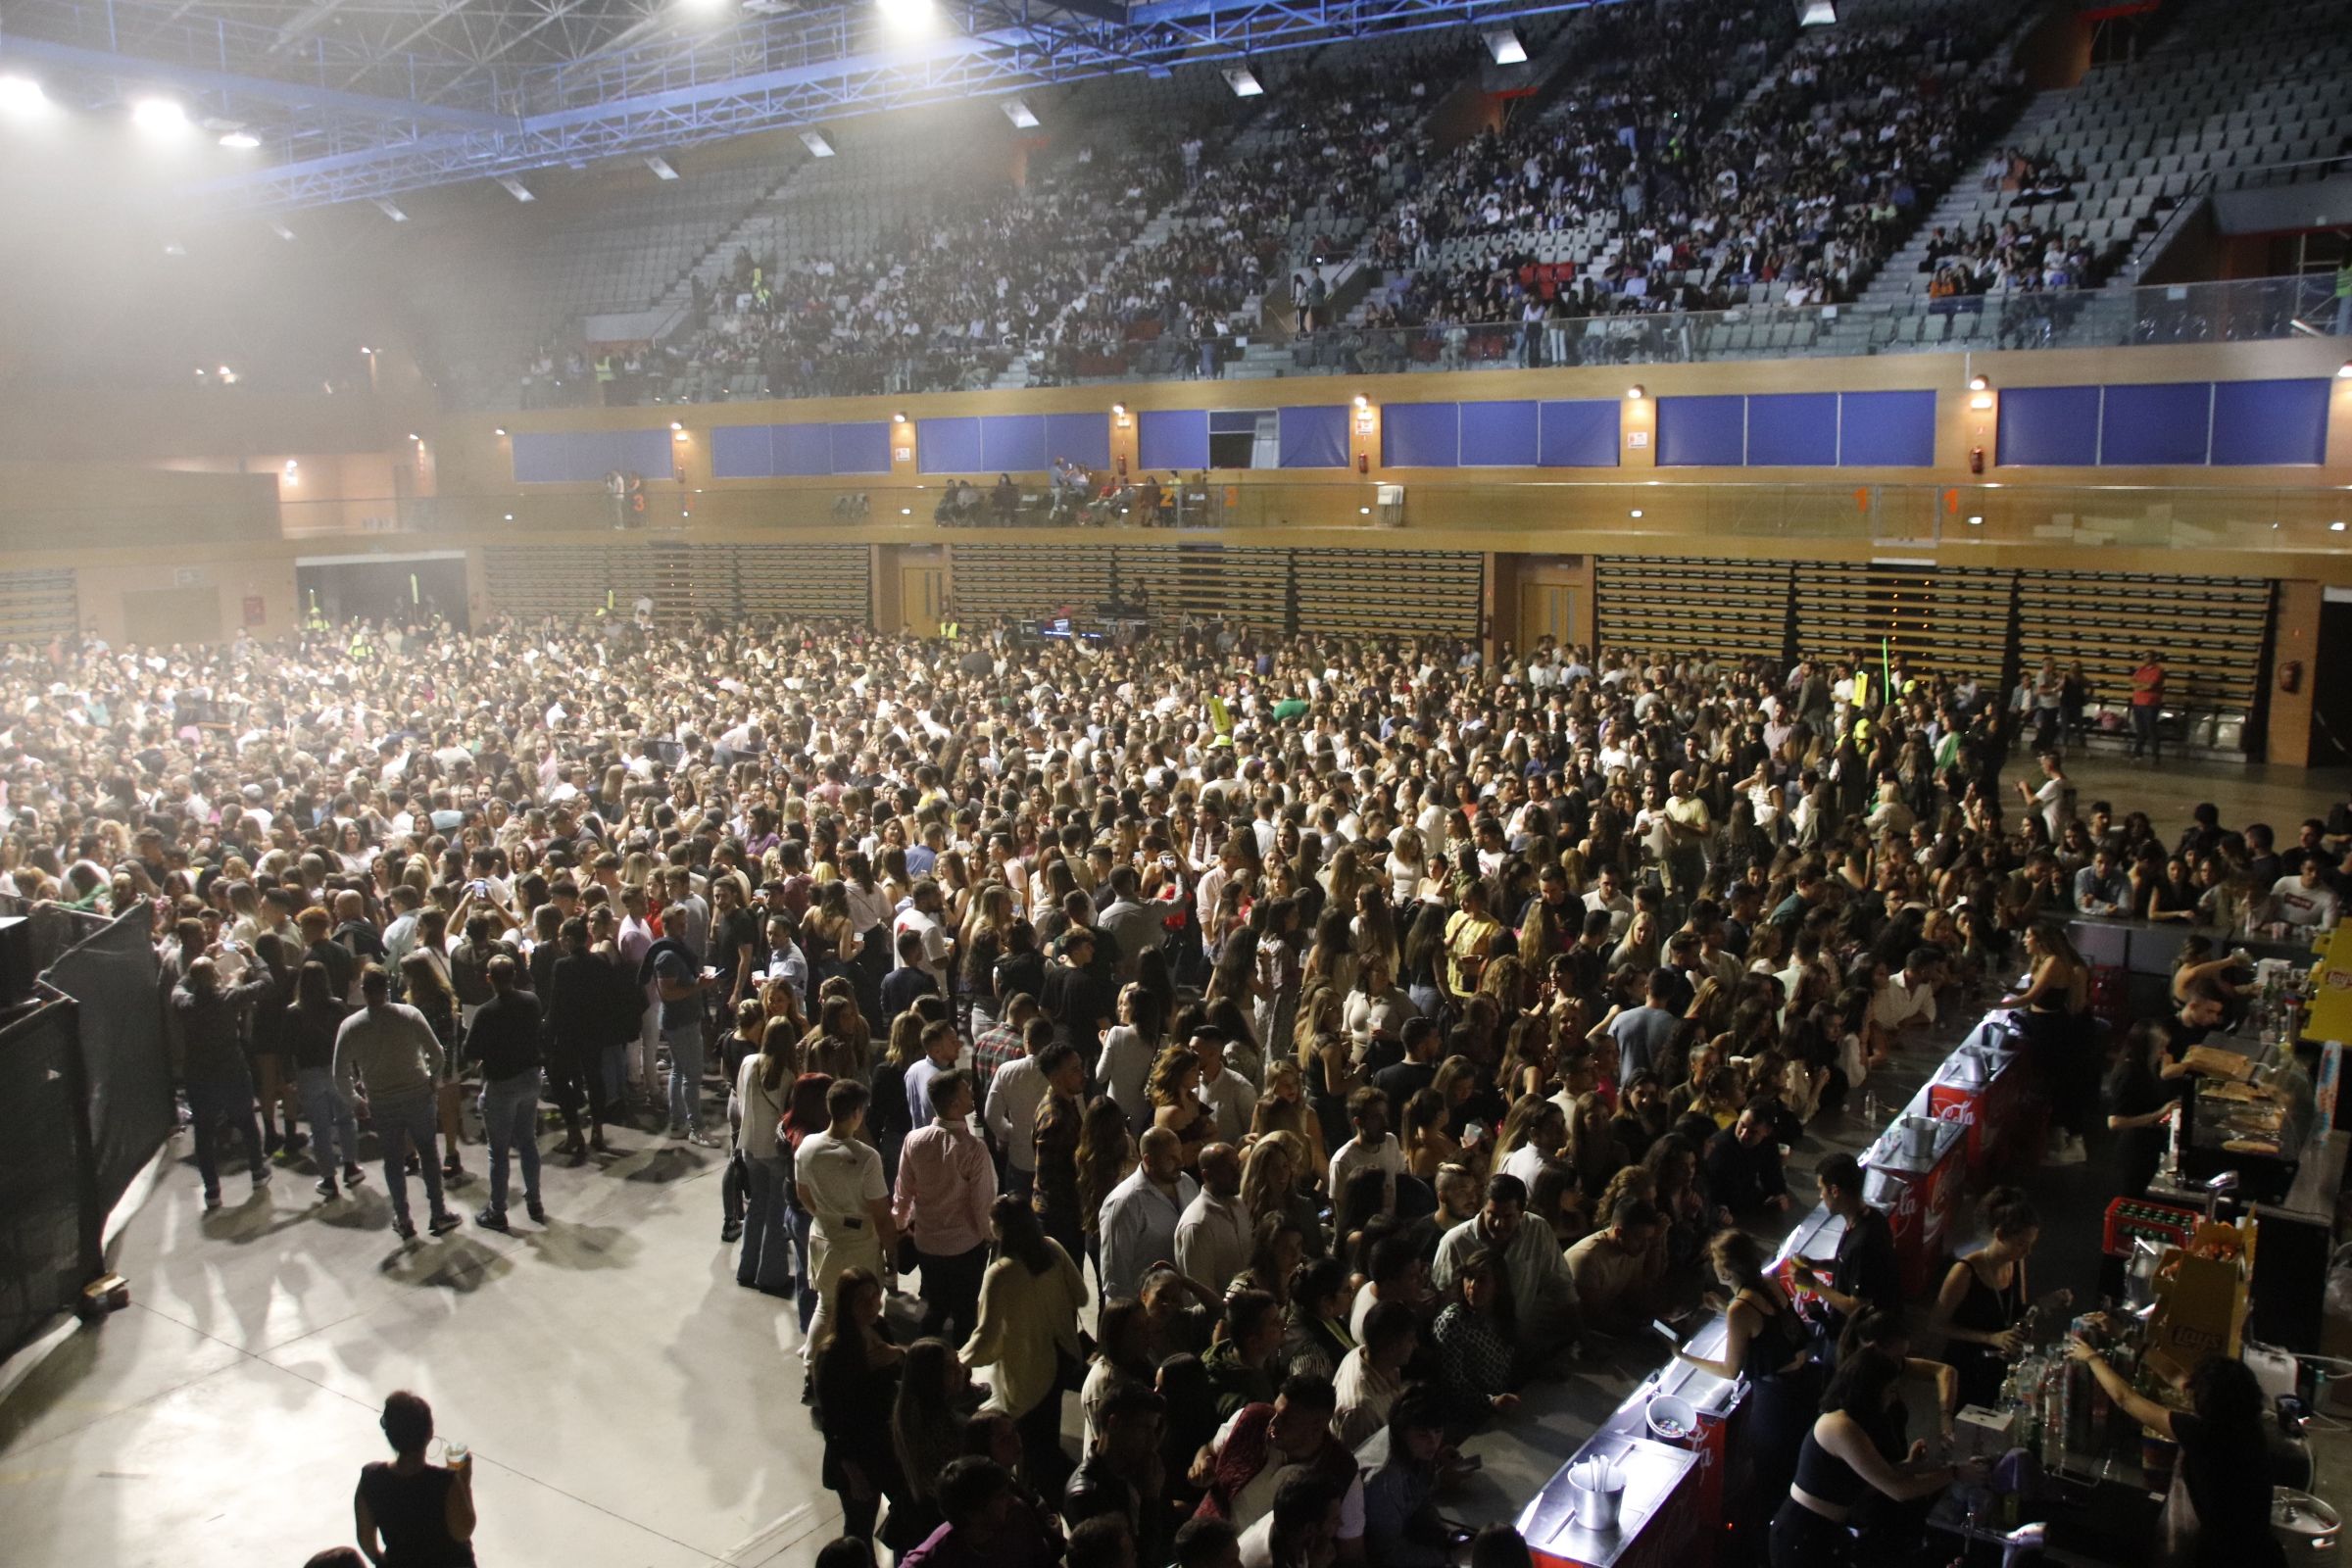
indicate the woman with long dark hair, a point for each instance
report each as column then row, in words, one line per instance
column 1838, row 1462
column 856, row 1377
column 2218, row 1512
column 409, row 1513
column 1030, row 1299
column 764, row 1089
column 1982, row 1302
column 311, row 1026
column 805, row 1116
column 926, row 1431
column 2056, row 1007
column 1765, row 1342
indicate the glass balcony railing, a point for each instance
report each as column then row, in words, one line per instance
column 1615, row 514
column 2256, row 310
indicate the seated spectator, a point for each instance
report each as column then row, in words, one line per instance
column 1402, row 1528
column 1742, row 1164
column 1618, row 1271
column 1242, row 1467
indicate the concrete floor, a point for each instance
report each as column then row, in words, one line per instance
column 629, row 1405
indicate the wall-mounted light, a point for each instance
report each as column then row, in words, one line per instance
column 1634, row 393
column 898, row 419
column 1637, row 512
column 510, row 516
column 1976, row 522
column 413, row 436
column 1364, row 511
column 364, row 349
column 2337, row 526
column 1980, row 401
column 498, row 429
column 1980, row 383
column 2343, row 372
column 1362, row 402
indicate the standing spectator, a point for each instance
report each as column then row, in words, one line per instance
column 945, row 1185
column 389, row 1048
column 1028, row 1331
column 409, row 1513
column 1140, row 1215
column 213, row 1069
column 839, row 1181
column 503, row 1042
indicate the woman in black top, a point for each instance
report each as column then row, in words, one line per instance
column 2217, row 1514
column 410, row 1514
column 1838, row 1462
column 856, row 1387
column 1983, row 1299
column 1763, row 1342
column 2140, row 1101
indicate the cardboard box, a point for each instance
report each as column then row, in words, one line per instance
column 1978, row 1432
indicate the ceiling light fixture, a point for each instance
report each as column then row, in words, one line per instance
column 816, row 143
column 159, row 116
column 244, row 141
column 1504, row 45
column 1243, row 82
column 1020, row 114
column 516, row 188
column 22, row 95
column 661, row 168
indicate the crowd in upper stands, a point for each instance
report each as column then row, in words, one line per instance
column 1371, row 1020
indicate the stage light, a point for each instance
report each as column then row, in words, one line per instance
column 814, row 141
column 906, row 16
column 1504, row 45
column 1021, row 115
column 160, row 116
column 1634, row 393
column 661, row 168
column 1243, row 82
column 242, row 140
column 516, row 188
column 21, row 96
column 383, row 205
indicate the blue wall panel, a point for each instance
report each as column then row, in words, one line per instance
column 1887, row 430
column 861, row 448
column 742, row 452
column 1313, row 437
column 2167, row 421
column 1792, row 429
column 1013, row 443
column 2054, row 426
column 541, row 459
column 1172, row 439
column 1501, row 435
column 1421, row 436
column 646, row 452
column 1579, row 433
column 803, row 451
column 949, row 446
column 2269, row 422
column 1703, row 432
column 1081, row 438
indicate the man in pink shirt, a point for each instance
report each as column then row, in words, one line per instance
column 946, row 1182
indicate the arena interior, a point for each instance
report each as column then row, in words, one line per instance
column 1122, row 783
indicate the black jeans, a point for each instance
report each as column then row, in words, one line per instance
column 951, row 1288
column 1803, row 1539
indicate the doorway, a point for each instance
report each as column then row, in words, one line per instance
column 388, row 590
column 922, row 598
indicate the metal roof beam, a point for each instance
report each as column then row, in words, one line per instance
column 234, row 85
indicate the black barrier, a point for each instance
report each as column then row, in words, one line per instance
column 113, row 976
column 49, row 1223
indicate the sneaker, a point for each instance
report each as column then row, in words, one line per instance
column 536, row 1209
column 212, row 1200
column 325, row 1187
column 445, row 1222
column 731, row 1231
column 404, row 1228
column 261, row 1177
column 489, row 1219
column 702, row 1137
column 353, row 1175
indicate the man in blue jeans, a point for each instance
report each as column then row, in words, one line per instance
column 389, row 1048
column 505, row 1040
column 213, row 1066
column 681, row 992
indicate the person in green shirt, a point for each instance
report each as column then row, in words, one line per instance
column 1289, row 708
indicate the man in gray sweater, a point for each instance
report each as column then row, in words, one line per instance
column 389, row 1048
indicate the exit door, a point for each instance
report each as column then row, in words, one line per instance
column 922, row 598
column 1547, row 609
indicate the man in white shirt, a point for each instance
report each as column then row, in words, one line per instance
column 1014, row 1096
column 839, row 1180
column 1371, row 1149
column 1139, row 1218
column 1610, row 896
column 1232, row 1101
column 2305, row 899
column 1905, row 1001
column 1213, row 1239
column 1542, row 1291
column 922, row 916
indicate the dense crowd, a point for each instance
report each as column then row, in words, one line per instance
column 1348, row 1031
column 1804, row 187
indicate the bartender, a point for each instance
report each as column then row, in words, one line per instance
column 2218, row 1512
column 1864, row 1273
column 1838, row 1464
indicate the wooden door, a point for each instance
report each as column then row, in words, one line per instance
column 1547, row 609
column 923, row 597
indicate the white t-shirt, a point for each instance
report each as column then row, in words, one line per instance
column 842, row 1176
column 2297, row 904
